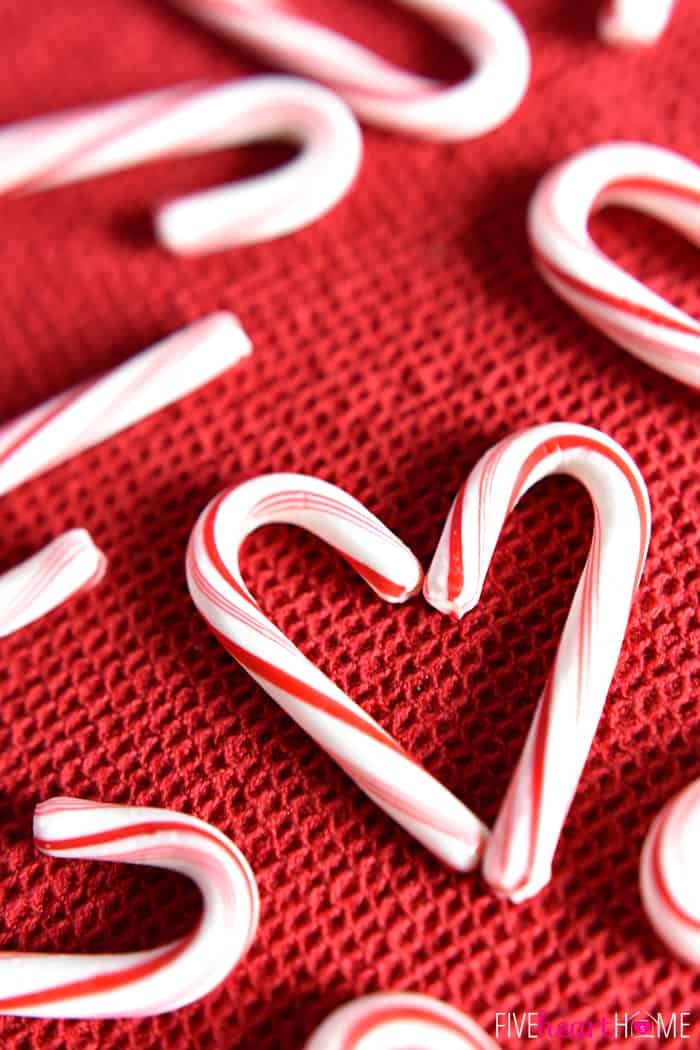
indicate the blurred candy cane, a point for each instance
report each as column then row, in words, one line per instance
column 195, row 118
column 653, row 180
column 631, row 22
column 369, row 755
column 669, row 874
column 397, row 1020
column 379, row 92
column 137, row 984
column 68, row 565
column 518, row 856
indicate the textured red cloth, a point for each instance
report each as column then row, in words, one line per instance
column 395, row 340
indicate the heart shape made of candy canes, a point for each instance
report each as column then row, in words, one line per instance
column 517, row 856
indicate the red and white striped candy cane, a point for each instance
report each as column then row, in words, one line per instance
column 96, row 410
column 368, row 754
column 137, row 984
column 518, row 855
column 379, row 92
column 397, row 1020
column 197, row 118
column 653, row 180
column 669, row 874
column 68, row 565
column 631, row 22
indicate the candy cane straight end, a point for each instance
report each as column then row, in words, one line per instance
column 633, row 23
column 657, row 181
column 69, row 565
column 366, row 752
column 141, row 983
column 669, row 874
column 518, row 854
column 397, row 1020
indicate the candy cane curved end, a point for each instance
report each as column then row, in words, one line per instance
column 142, row 983
column 196, row 118
column 669, row 874
column 369, row 755
column 657, row 181
column 487, row 32
column 396, row 1020
column 68, row 565
column 625, row 23
column 518, row 856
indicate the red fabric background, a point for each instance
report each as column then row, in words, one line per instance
column 395, row 340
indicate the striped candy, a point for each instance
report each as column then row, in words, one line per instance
column 137, row 984
column 630, row 22
column 68, row 565
column 669, row 874
column 379, row 92
column 94, row 411
column 369, row 755
column 518, row 855
column 195, row 118
column 396, row 1021
column 653, row 180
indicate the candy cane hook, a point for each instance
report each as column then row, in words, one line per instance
column 631, row 22
column 137, row 984
column 379, row 92
column 397, row 1020
column 518, row 856
column 653, row 180
column 669, row 874
column 195, row 118
column 369, row 755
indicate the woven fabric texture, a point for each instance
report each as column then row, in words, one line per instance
column 395, row 340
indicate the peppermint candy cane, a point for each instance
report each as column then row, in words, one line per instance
column 396, row 1020
column 196, row 118
column 368, row 754
column 378, row 91
column 653, row 180
column 518, row 856
column 96, row 410
column 669, row 874
column 629, row 22
column 68, row 565
column 137, row 984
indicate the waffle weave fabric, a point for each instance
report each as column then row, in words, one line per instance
column 395, row 340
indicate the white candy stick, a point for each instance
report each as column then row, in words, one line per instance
column 625, row 23
column 88, row 414
column 518, row 855
column 368, row 754
column 396, row 1021
column 379, row 92
column 197, row 118
column 663, row 184
column 137, row 984
column 669, row 874
column 68, row 565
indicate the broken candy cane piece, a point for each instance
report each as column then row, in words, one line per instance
column 368, row 754
column 137, row 984
column 518, row 855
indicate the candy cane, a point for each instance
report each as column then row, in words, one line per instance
column 68, row 565
column 195, row 118
column 630, row 22
column 669, row 874
column 369, row 755
column 137, row 984
column 653, row 180
column 518, row 856
column 397, row 1020
column 96, row 410
column 378, row 91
